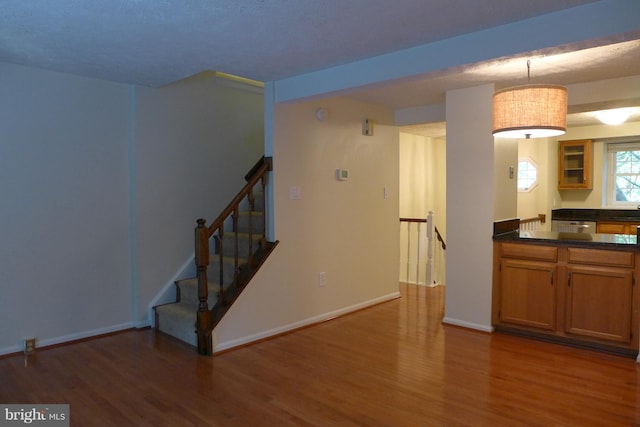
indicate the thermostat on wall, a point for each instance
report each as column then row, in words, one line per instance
column 342, row 174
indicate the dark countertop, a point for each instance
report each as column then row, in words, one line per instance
column 600, row 241
column 622, row 215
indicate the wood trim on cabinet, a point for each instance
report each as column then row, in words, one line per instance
column 600, row 257
column 522, row 251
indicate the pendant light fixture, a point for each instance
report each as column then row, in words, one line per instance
column 530, row 111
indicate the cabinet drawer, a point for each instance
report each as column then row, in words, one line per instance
column 542, row 253
column 611, row 227
column 617, row 227
column 600, row 257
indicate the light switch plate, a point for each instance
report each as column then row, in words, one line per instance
column 294, row 192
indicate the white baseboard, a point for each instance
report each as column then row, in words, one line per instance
column 71, row 337
column 422, row 283
column 465, row 324
column 9, row 350
column 226, row 345
column 141, row 324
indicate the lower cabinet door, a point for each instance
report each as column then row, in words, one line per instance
column 527, row 293
column 599, row 302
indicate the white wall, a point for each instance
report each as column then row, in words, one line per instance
column 528, row 201
column 344, row 228
column 196, row 139
column 64, row 168
column 102, row 184
column 470, row 207
column 505, row 185
column 422, row 189
column 422, row 177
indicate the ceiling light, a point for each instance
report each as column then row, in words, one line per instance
column 530, row 111
column 613, row 117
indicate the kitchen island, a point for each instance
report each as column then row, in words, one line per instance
column 573, row 288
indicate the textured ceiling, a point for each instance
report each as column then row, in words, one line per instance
column 561, row 65
column 156, row 42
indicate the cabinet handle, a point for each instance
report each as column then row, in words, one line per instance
column 569, row 279
column 551, row 277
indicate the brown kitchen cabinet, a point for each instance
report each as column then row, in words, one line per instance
column 575, row 165
column 599, row 302
column 576, row 295
column 528, row 295
column 615, row 227
column 600, row 294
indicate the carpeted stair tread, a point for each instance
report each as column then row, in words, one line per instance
column 214, row 259
column 229, row 244
column 255, row 217
column 178, row 320
column 189, row 292
column 242, row 235
column 258, row 201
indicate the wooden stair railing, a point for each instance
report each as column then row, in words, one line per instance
column 440, row 239
column 432, row 253
column 208, row 317
column 438, row 235
column 532, row 223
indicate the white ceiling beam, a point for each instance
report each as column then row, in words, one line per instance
column 597, row 22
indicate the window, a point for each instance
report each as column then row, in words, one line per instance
column 623, row 174
column 527, row 175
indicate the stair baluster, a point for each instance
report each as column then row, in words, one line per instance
column 263, row 182
column 203, row 318
column 236, row 254
column 247, row 255
column 221, row 293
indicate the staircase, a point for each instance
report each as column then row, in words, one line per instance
column 238, row 249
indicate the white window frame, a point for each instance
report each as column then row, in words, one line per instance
column 609, row 175
column 535, row 183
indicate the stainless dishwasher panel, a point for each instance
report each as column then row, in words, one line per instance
column 573, row 226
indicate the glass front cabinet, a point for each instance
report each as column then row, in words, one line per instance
column 575, row 165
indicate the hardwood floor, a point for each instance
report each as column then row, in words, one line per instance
column 391, row 365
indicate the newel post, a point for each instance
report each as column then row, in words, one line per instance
column 203, row 320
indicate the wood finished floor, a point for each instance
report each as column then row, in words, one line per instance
column 391, row 365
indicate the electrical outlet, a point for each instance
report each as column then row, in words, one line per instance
column 322, row 278
column 29, row 345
